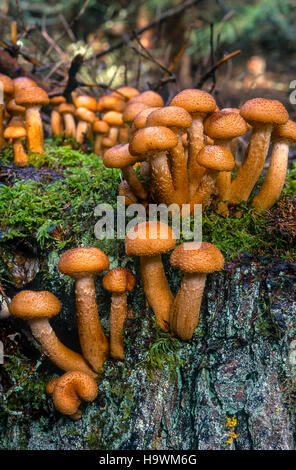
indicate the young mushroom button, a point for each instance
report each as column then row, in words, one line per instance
column 149, row 240
column 83, row 264
column 120, row 282
column 16, row 131
column 70, row 389
column 196, row 260
column 37, row 308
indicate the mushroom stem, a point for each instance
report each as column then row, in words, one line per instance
column 162, row 181
column 156, row 289
column 196, row 143
column 70, row 126
column 81, row 131
column 179, row 171
column 56, row 123
column 223, row 180
column 275, row 179
column 118, row 314
column 63, row 357
column 205, row 189
column 98, row 144
column 34, row 129
column 135, row 184
column 186, row 307
column 93, row 341
column 20, row 156
column 247, row 175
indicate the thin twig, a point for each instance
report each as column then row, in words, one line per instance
column 208, row 74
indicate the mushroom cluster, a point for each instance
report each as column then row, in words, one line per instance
column 188, row 150
column 82, row 264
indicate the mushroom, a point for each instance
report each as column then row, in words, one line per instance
column 16, row 131
column 32, row 99
column 130, row 113
column 70, row 389
column 178, row 120
column 85, row 112
column 83, row 264
column 120, row 157
column 67, row 111
column 223, row 127
column 85, row 119
column 262, row 114
column 198, row 103
column 196, row 260
column 155, row 142
column 7, row 88
column 100, row 129
column 148, row 240
column 23, row 82
column 37, row 308
column 120, row 282
column 110, row 103
column 214, row 159
column 126, row 91
column 270, row 191
column 114, row 121
column 15, row 110
column 57, row 127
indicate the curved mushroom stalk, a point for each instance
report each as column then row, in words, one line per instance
column 135, row 184
column 196, row 143
column 161, row 179
column 185, row 311
column 118, row 314
column 58, row 353
column 157, row 289
column 36, row 308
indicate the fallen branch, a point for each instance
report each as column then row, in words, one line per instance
column 213, row 69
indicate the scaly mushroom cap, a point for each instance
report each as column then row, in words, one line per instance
column 7, row 84
column 29, row 304
column 149, row 238
column 194, row 257
column 132, row 110
column 80, row 262
column 67, row 108
column 170, row 116
column 285, row 131
column 71, row 388
column 127, row 91
column 15, row 130
column 86, row 115
column 101, row 127
column 194, row 101
column 113, row 118
column 29, row 97
column 87, row 102
column 215, row 157
column 119, row 280
column 152, row 139
column 15, row 109
column 119, row 156
column 141, row 118
column 225, row 125
column 111, row 103
column 23, row 82
column 148, row 97
column 265, row 111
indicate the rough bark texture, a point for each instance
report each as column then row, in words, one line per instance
column 240, row 362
